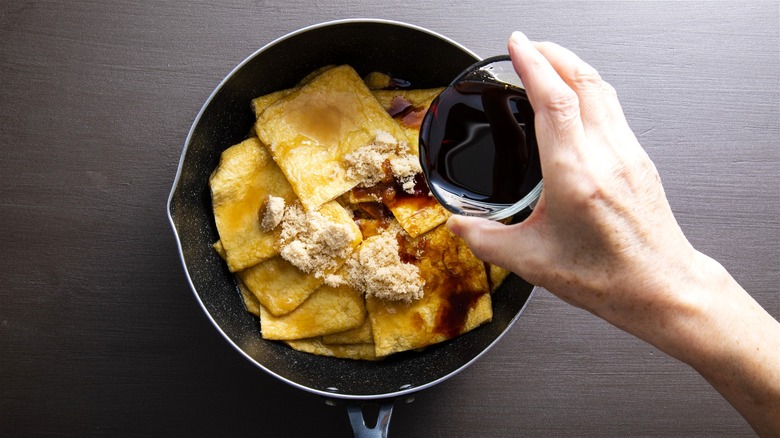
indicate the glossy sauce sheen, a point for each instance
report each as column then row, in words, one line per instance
column 478, row 141
column 457, row 291
column 392, row 194
column 452, row 317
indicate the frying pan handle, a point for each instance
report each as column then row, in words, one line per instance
column 358, row 422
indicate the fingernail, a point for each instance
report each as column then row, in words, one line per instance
column 519, row 38
column 454, row 224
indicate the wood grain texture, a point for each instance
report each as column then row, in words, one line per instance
column 100, row 334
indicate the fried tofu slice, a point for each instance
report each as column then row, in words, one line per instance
column 219, row 249
column 278, row 285
column 328, row 310
column 418, row 215
column 420, row 98
column 359, row 335
column 310, row 131
column 496, row 275
column 244, row 179
column 250, row 301
column 342, row 351
column 259, row 104
column 408, row 108
column 308, row 78
column 456, row 296
column 377, row 80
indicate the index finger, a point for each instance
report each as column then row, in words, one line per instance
column 598, row 99
column 556, row 106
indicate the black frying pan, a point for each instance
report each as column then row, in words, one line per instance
column 408, row 52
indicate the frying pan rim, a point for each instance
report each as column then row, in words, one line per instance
column 196, row 121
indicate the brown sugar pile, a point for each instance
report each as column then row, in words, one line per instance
column 273, row 213
column 377, row 270
column 312, row 243
column 367, row 164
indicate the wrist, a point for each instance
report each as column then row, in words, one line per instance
column 690, row 322
column 717, row 328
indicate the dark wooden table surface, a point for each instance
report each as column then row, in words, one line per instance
column 101, row 335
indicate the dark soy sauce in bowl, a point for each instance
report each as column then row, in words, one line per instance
column 478, row 148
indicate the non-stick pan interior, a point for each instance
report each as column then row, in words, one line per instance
column 407, row 52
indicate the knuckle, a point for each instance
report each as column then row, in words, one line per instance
column 586, row 77
column 608, row 89
column 564, row 104
column 593, row 195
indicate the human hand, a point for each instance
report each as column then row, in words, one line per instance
column 603, row 222
column 603, row 237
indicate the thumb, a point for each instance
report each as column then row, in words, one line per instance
column 491, row 241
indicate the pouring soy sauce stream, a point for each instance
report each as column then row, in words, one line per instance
column 478, row 146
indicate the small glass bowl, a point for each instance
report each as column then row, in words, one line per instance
column 497, row 70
